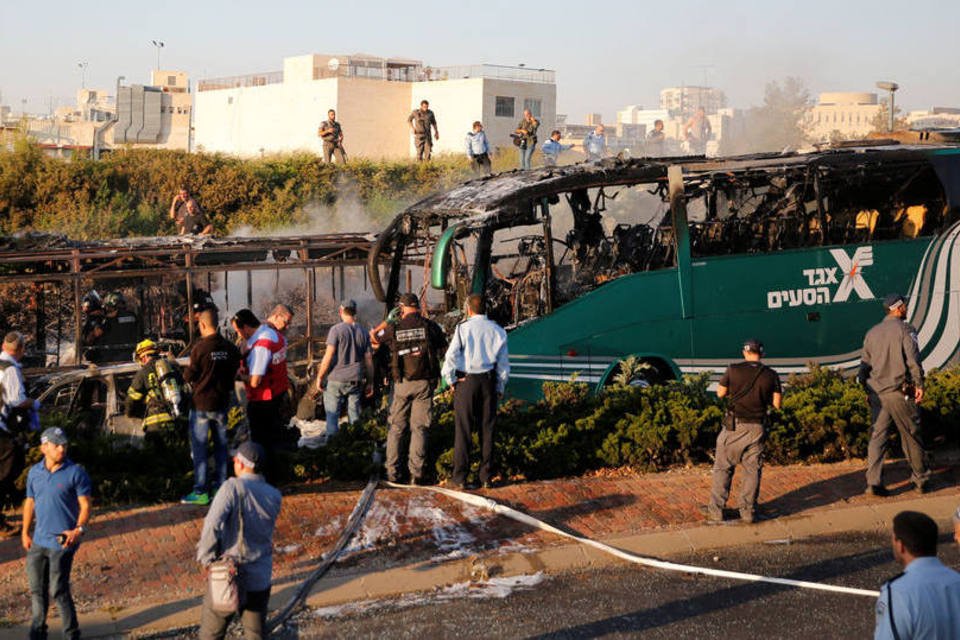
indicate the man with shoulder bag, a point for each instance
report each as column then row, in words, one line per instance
column 751, row 388
column 236, row 549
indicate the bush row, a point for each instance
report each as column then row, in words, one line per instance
column 571, row 431
column 128, row 192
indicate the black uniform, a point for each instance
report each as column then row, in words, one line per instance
column 414, row 344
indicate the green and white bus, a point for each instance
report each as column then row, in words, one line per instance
column 677, row 261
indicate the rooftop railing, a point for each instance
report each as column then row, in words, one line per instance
column 233, row 82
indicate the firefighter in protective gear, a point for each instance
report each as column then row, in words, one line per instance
column 146, row 393
column 121, row 328
column 415, row 344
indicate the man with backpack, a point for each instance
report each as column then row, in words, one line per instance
column 751, row 388
column 156, row 393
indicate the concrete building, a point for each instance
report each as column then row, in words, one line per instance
column 683, row 101
column 281, row 111
column 843, row 115
column 934, row 118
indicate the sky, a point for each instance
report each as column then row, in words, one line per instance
column 606, row 54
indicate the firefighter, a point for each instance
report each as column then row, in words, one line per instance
column 415, row 344
column 156, row 392
column 94, row 327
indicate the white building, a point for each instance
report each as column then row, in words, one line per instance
column 683, row 101
column 281, row 111
column 842, row 114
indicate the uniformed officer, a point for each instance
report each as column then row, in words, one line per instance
column 477, row 366
column 891, row 371
column 415, row 344
column 94, row 326
column 146, row 393
column 421, row 121
column 121, row 330
column 924, row 600
column 751, row 388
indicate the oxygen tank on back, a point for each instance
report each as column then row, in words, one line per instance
column 168, row 385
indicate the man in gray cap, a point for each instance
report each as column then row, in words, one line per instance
column 58, row 500
column 346, row 368
column 751, row 388
column 891, row 371
column 240, row 524
column 415, row 344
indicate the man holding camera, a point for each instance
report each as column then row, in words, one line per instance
column 751, row 388
column 891, row 371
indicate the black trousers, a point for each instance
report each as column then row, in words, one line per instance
column 266, row 429
column 11, row 464
column 474, row 407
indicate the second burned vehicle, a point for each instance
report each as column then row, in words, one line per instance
column 671, row 261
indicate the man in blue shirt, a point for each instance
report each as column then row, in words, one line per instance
column 247, row 497
column 595, row 144
column 58, row 499
column 477, row 367
column 924, row 600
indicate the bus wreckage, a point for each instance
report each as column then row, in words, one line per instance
column 676, row 261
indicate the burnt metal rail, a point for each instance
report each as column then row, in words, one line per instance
column 39, row 259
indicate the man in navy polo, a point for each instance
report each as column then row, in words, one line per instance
column 58, row 498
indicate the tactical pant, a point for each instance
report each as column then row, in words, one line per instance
column 743, row 446
column 330, row 148
column 253, row 615
column 474, row 406
column 424, row 147
column 892, row 407
column 411, row 407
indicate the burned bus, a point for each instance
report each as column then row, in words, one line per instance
column 677, row 261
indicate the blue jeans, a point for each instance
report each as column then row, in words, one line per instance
column 334, row 395
column 202, row 422
column 526, row 155
column 48, row 571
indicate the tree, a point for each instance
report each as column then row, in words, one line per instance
column 778, row 123
column 882, row 120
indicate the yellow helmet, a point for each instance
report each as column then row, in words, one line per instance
column 145, row 346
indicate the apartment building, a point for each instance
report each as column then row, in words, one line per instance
column 281, row 111
column 842, row 114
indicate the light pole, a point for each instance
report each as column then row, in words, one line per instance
column 159, row 45
column 83, row 73
column 891, row 87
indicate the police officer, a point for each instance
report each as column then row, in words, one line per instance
column 146, row 394
column 924, row 600
column 414, row 344
column 477, row 366
column 421, row 121
column 751, row 388
column 891, row 371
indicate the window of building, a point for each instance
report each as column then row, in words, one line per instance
column 230, row 100
column 533, row 104
column 504, row 107
column 172, row 81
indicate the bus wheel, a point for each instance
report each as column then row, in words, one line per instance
column 634, row 372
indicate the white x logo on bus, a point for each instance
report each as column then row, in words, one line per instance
column 852, row 276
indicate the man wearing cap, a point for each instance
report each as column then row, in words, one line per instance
column 346, row 368
column 477, row 366
column 414, row 343
column 14, row 407
column 891, row 371
column 268, row 383
column 247, row 505
column 924, row 600
column 58, row 502
column 751, row 388
column 145, row 395
column 214, row 362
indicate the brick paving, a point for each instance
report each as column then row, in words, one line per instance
column 145, row 556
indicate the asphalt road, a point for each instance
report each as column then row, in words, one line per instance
column 630, row 601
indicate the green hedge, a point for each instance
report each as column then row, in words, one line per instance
column 824, row 419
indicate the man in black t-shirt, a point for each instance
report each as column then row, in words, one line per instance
column 751, row 388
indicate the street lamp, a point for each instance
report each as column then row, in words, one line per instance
column 83, row 74
column 891, row 87
column 159, row 45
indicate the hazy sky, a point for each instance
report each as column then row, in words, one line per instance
column 606, row 54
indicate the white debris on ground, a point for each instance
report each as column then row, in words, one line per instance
column 290, row 548
column 331, row 528
column 452, row 537
column 313, row 433
column 492, row 588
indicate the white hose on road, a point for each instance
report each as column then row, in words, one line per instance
column 519, row 516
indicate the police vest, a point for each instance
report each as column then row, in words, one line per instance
column 275, row 381
column 412, row 356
